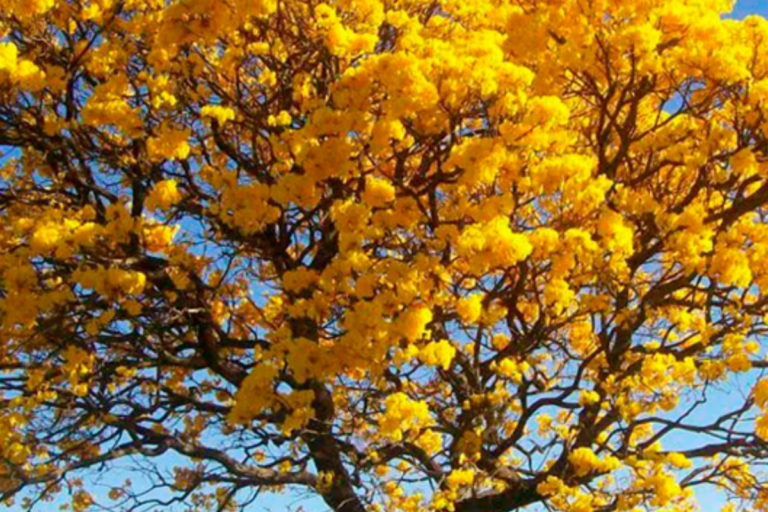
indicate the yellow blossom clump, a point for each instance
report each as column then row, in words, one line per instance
column 678, row 460
column 412, row 323
column 22, row 72
column 111, row 281
column 401, row 415
column 589, row 397
column 470, row 308
column 493, row 244
column 281, row 119
column 163, row 195
column 585, row 461
column 159, row 237
column 378, row 192
column 460, row 478
column 439, row 353
column 9, row 55
column 168, row 143
column 219, row 113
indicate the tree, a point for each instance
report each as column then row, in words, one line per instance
column 466, row 256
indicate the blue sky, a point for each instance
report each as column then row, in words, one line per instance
column 709, row 499
column 747, row 7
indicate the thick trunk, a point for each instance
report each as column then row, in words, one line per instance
column 340, row 494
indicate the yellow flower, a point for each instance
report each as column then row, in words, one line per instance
column 430, row 441
column 401, row 415
column 492, row 244
column 460, row 478
column 585, row 461
column 588, row 397
column 378, row 192
column 163, row 195
column 439, row 353
column 219, row 113
column 470, row 308
column 169, row 144
column 9, row 55
column 413, row 322
column 511, row 369
column 159, row 238
column 299, row 279
column 678, row 460
column 760, row 392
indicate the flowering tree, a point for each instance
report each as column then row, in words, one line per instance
column 404, row 255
